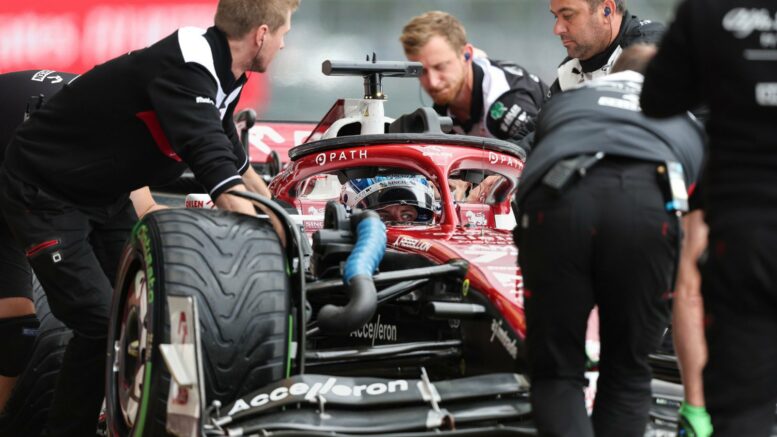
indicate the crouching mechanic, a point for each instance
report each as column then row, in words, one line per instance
column 25, row 92
column 401, row 199
column 484, row 98
column 136, row 120
column 599, row 203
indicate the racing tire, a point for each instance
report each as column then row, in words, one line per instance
column 28, row 407
column 234, row 268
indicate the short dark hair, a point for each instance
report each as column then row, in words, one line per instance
column 620, row 5
column 635, row 58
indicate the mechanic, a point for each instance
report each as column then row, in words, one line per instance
column 25, row 92
column 723, row 54
column 133, row 121
column 598, row 225
column 398, row 199
column 594, row 33
column 484, row 97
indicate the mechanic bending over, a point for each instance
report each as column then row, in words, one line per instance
column 134, row 121
column 485, row 98
column 715, row 53
column 595, row 32
column 24, row 92
column 598, row 225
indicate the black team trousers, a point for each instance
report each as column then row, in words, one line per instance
column 74, row 251
column 607, row 241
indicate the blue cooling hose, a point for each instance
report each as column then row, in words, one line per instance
column 369, row 250
column 362, row 262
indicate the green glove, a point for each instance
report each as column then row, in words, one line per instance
column 694, row 422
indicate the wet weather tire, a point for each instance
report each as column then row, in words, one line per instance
column 26, row 411
column 233, row 265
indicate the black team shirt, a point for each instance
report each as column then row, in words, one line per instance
column 723, row 53
column 137, row 120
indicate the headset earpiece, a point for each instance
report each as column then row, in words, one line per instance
column 466, row 56
column 607, row 11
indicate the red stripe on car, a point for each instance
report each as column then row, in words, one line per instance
column 162, row 143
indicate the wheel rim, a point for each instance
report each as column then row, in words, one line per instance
column 130, row 349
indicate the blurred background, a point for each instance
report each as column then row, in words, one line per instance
column 74, row 35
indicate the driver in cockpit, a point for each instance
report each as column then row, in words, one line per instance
column 400, row 199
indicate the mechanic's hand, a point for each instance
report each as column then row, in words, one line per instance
column 144, row 202
column 244, row 206
column 459, row 188
column 234, row 203
column 255, row 183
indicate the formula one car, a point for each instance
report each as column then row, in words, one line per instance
column 217, row 329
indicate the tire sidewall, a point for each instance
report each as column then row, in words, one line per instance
column 139, row 254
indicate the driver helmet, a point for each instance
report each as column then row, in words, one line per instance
column 399, row 198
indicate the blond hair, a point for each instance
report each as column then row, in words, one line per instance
column 418, row 31
column 237, row 17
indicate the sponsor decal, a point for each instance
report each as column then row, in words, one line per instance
column 631, row 98
column 476, row 218
column 199, row 200
column 142, row 235
column 260, row 136
column 182, row 393
column 509, row 124
column 403, row 182
column 742, row 22
column 498, row 158
column 183, row 326
column 343, row 155
column 377, row 331
column 766, row 94
column 621, row 86
column 40, row 76
column 205, row 100
column 493, row 239
column 312, row 210
column 412, row 243
column 513, row 69
column 436, row 152
column 769, row 40
column 198, row 204
column 501, row 334
column 590, row 392
column 498, row 109
column 301, row 391
column 313, row 225
column 612, row 102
